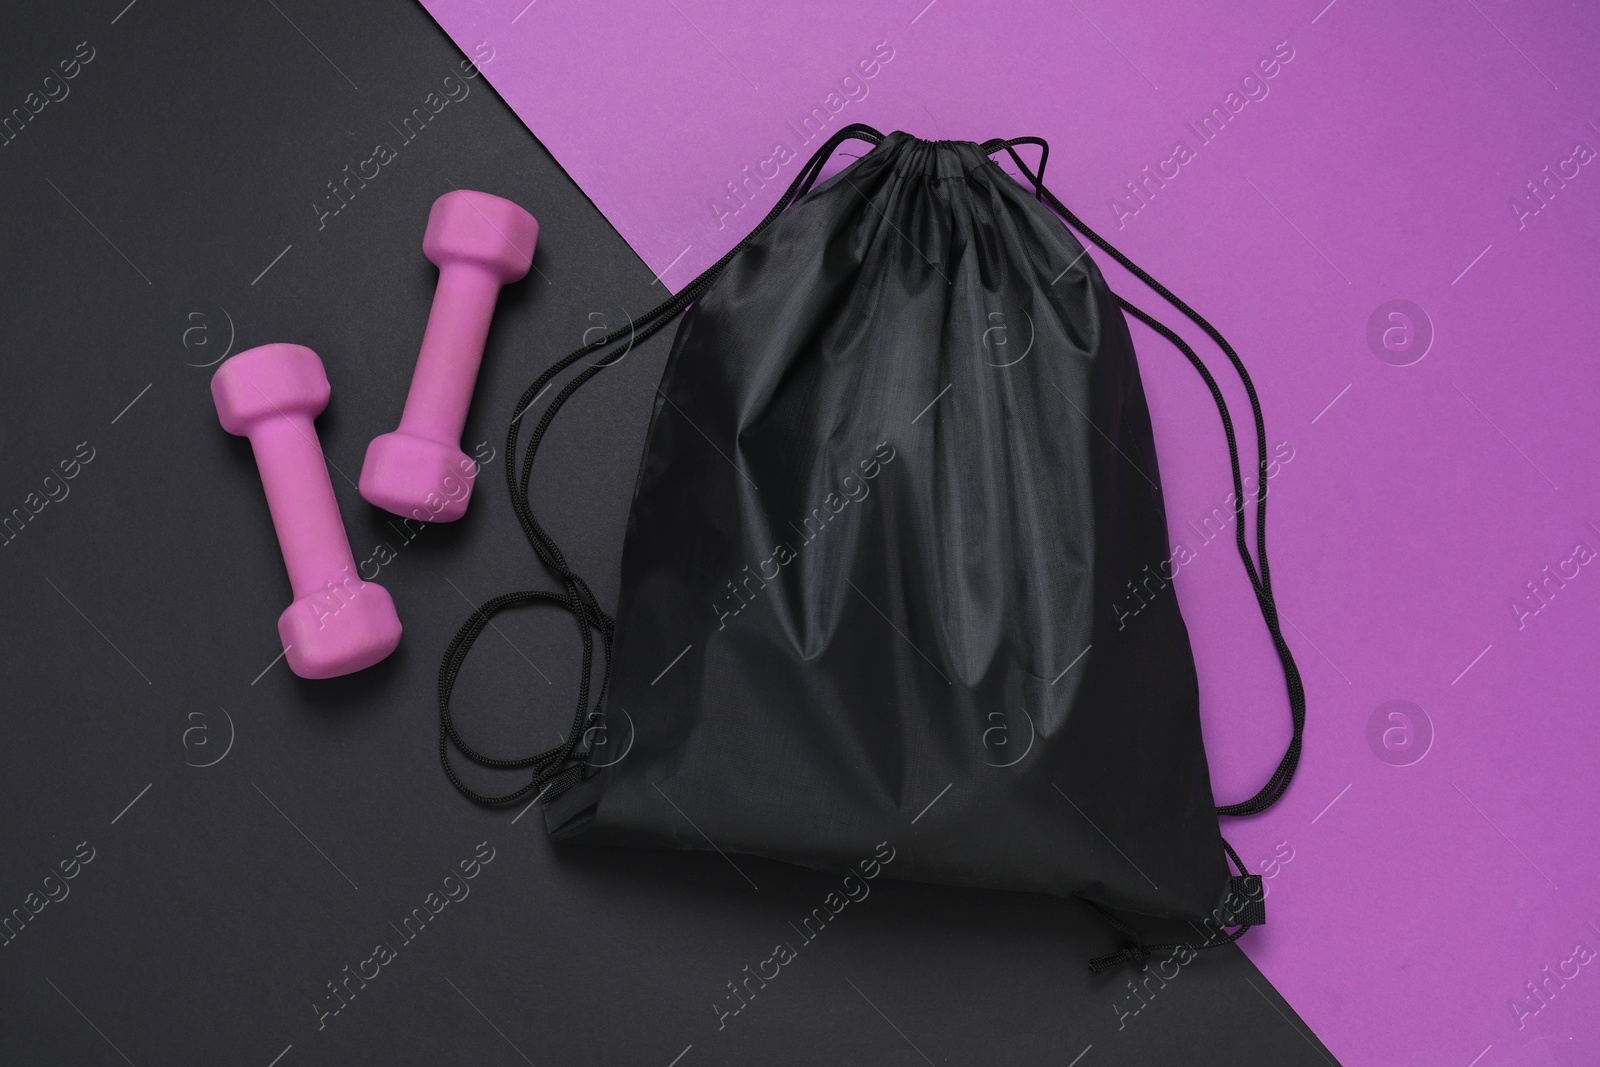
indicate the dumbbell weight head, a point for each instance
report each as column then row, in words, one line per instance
column 337, row 623
column 268, row 382
column 471, row 227
column 417, row 477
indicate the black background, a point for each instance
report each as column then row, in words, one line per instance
column 140, row 625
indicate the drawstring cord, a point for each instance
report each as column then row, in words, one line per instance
column 1260, row 582
column 1137, row 952
column 1134, row 950
column 558, row 769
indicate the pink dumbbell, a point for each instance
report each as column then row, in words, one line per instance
column 337, row 623
column 479, row 243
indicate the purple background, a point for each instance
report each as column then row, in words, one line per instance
column 1380, row 165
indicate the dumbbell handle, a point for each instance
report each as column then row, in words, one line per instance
column 305, row 512
column 452, row 351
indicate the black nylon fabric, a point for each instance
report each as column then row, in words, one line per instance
column 884, row 576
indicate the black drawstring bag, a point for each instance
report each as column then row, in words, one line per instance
column 900, row 502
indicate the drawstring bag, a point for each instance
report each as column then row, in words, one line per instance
column 900, row 503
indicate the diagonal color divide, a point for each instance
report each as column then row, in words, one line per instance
column 1395, row 553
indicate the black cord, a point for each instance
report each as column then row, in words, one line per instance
column 1135, row 950
column 556, row 769
column 559, row 768
column 1260, row 582
column 1138, row 952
